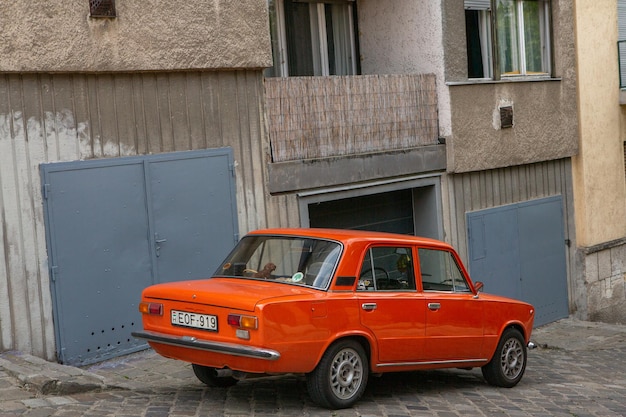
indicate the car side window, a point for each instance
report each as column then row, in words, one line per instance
column 440, row 272
column 387, row 269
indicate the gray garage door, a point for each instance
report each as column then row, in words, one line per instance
column 116, row 226
column 518, row 251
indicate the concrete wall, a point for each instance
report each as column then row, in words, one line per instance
column 159, row 77
column 544, row 117
column 405, row 37
column 600, row 187
column 598, row 170
column 40, row 35
column 544, row 111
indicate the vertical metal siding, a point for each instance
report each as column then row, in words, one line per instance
column 51, row 117
column 485, row 189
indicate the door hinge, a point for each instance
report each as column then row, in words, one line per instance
column 236, row 236
column 54, row 270
column 231, row 168
column 46, row 191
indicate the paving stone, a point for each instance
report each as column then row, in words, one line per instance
column 577, row 371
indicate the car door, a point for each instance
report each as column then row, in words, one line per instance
column 454, row 316
column 390, row 305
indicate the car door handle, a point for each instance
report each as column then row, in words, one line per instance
column 434, row 306
column 369, row 306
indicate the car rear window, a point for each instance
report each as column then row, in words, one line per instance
column 294, row 260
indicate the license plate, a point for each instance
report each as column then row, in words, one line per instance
column 197, row 321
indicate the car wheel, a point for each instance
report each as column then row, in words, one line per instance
column 507, row 366
column 209, row 376
column 340, row 378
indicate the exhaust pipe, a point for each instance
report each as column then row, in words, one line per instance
column 224, row 372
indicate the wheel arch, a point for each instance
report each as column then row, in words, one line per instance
column 517, row 326
column 364, row 339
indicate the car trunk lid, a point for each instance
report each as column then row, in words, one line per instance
column 236, row 293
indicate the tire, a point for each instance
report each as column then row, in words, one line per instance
column 340, row 378
column 507, row 366
column 208, row 376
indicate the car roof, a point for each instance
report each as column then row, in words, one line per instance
column 348, row 236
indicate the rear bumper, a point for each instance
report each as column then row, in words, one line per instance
column 208, row 346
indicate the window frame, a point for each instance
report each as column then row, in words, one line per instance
column 492, row 51
column 447, row 262
column 319, row 36
column 404, row 282
column 485, row 27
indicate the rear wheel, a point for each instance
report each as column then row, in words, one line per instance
column 507, row 366
column 340, row 378
column 209, row 376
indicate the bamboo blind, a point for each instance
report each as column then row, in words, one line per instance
column 319, row 117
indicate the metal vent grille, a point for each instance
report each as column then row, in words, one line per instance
column 506, row 117
column 102, row 8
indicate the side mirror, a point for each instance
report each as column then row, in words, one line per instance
column 478, row 286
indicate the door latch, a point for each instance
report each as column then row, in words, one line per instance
column 157, row 244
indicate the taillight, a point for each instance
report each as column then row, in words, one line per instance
column 154, row 309
column 243, row 322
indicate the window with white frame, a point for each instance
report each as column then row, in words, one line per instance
column 479, row 39
column 520, row 45
column 313, row 37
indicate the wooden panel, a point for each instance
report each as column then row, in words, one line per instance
column 318, row 117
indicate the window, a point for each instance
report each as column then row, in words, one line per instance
column 313, row 38
column 521, row 45
column 478, row 29
column 621, row 41
column 387, row 268
column 290, row 260
column 440, row 272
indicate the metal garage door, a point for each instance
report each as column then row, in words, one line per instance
column 116, row 226
column 518, row 251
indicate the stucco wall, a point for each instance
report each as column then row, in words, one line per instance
column 600, row 188
column 544, row 117
column 53, row 36
column 405, row 37
column 598, row 170
column 544, row 111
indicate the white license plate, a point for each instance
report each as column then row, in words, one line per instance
column 197, row 321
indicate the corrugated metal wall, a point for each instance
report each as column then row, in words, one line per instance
column 479, row 190
column 47, row 118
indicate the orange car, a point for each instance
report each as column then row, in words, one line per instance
column 336, row 305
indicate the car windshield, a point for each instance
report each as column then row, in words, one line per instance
column 295, row 260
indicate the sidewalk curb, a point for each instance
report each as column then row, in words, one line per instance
column 49, row 378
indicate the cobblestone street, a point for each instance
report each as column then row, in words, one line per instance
column 578, row 370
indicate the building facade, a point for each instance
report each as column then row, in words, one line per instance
column 599, row 178
column 453, row 119
column 89, row 89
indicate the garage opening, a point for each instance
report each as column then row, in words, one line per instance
column 411, row 208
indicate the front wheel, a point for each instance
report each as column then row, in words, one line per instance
column 340, row 378
column 209, row 376
column 507, row 366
